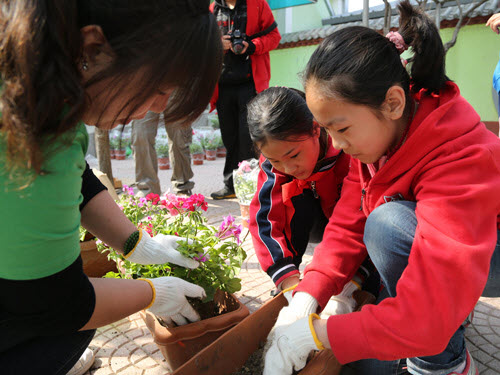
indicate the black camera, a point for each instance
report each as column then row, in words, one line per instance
column 237, row 38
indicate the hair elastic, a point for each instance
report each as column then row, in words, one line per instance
column 396, row 38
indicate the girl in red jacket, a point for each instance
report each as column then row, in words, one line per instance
column 299, row 183
column 421, row 199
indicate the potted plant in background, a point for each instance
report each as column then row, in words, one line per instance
column 245, row 186
column 121, row 147
column 161, row 147
column 113, row 144
column 210, row 146
column 219, row 252
column 196, row 150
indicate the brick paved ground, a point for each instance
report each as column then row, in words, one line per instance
column 127, row 348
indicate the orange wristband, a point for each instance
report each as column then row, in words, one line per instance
column 318, row 343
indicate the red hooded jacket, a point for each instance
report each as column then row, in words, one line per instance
column 272, row 210
column 259, row 18
column 450, row 166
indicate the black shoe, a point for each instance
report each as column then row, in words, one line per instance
column 187, row 192
column 225, row 193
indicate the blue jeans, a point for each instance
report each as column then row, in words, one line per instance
column 389, row 233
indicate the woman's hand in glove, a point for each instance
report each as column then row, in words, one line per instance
column 158, row 250
column 290, row 348
column 169, row 299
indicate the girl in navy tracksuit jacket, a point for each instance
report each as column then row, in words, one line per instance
column 299, row 182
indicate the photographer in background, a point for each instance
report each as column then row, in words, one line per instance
column 249, row 32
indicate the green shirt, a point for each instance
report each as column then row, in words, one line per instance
column 39, row 224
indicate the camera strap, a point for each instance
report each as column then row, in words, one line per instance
column 264, row 32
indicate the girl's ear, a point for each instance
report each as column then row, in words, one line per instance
column 316, row 129
column 394, row 104
column 97, row 53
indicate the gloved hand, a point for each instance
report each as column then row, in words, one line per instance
column 158, row 250
column 342, row 303
column 288, row 293
column 169, row 299
column 302, row 305
column 291, row 348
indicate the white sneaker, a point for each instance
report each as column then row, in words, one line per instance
column 84, row 363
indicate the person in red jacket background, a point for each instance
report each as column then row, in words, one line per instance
column 421, row 199
column 249, row 32
column 299, row 183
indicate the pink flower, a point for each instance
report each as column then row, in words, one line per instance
column 201, row 258
column 127, row 189
column 152, row 197
column 227, row 229
column 244, row 166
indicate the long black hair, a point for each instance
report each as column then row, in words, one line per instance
column 359, row 65
column 174, row 42
column 279, row 113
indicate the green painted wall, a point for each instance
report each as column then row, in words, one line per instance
column 287, row 64
column 470, row 63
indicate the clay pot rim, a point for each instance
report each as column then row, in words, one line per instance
column 193, row 330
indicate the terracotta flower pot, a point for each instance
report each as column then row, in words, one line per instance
column 221, row 152
column 230, row 351
column 179, row 344
column 95, row 263
column 197, row 158
column 163, row 163
column 211, row 154
column 245, row 214
column 112, row 152
column 120, row 154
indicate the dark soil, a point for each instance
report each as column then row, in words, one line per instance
column 222, row 303
column 254, row 364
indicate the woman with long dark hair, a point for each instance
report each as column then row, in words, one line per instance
column 65, row 63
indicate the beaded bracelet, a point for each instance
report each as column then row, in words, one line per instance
column 131, row 242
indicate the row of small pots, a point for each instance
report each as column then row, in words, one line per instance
column 164, row 163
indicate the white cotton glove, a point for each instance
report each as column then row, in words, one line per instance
column 343, row 303
column 290, row 349
column 169, row 299
column 302, row 305
column 158, row 250
column 288, row 293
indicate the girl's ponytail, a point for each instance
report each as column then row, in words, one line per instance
column 428, row 63
column 40, row 43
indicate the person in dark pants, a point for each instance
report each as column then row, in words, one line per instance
column 249, row 32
